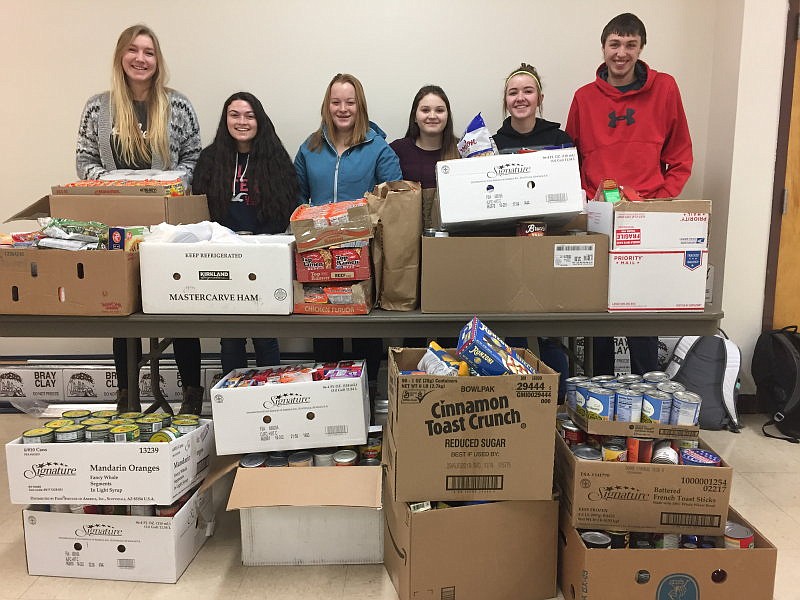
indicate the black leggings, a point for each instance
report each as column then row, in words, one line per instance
column 187, row 357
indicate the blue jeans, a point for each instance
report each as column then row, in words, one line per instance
column 234, row 353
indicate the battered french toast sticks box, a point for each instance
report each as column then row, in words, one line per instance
column 643, row 496
column 477, row 552
column 65, row 282
column 117, row 547
column 111, row 473
column 539, row 274
column 509, row 187
column 668, row 574
column 293, row 415
column 652, row 224
column 469, row 437
column 212, row 278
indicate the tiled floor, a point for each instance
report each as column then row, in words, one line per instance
column 766, row 491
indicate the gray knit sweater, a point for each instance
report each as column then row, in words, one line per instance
column 94, row 156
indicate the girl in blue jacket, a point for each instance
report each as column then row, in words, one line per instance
column 348, row 155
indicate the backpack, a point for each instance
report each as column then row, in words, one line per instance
column 776, row 372
column 708, row 365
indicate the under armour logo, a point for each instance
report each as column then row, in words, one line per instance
column 627, row 117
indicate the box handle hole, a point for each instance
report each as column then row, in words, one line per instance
column 34, row 270
column 62, row 294
column 121, row 548
column 80, row 270
column 78, row 546
column 267, row 419
column 642, row 577
column 176, row 276
column 14, row 293
column 252, row 277
column 719, row 576
column 310, row 416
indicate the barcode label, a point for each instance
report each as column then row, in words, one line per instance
column 126, row 563
column 449, row 593
column 474, row 482
column 335, row 429
column 559, row 198
column 573, row 255
column 690, row 520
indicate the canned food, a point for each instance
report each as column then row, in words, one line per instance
column 76, row 416
column 252, row 460
column 684, row 444
column 573, row 435
column 671, row 387
column 601, row 379
column 641, row 541
column 133, row 415
column 97, row 433
column 615, row 452
column 531, row 228
column 93, row 421
column 69, row 433
column 148, row 426
column 165, row 435
column 191, row 416
column 685, row 408
column 629, row 378
column 166, row 418
column 433, row 232
column 656, row 407
column 655, row 377
column 642, row 387
column 118, row 421
column 185, row 426
column 619, row 539
column 596, row 539
column 369, row 462
column 628, row 406
column 595, row 440
column 277, row 459
column 639, row 449
column 587, row 452
column 600, row 404
column 115, row 509
column 613, row 385
column 372, row 449
column 581, row 396
column 697, row 457
column 303, row 458
column 738, row 536
column 572, row 382
column 664, row 455
column 38, row 435
column 105, row 414
column 58, row 423
column 323, row 457
column 85, row 509
column 60, row 508
column 345, row 458
column 124, row 433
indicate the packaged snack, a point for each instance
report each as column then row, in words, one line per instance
column 339, row 294
column 330, row 224
column 476, row 141
column 436, row 361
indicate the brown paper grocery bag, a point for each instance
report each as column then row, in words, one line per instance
column 396, row 211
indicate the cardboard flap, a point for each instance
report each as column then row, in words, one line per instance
column 315, row 486
column 40, row 208
column 671, row 206
column 221, row 467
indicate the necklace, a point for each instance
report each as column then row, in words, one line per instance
column 234, row 196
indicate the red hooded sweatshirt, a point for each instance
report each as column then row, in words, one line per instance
column 639, row 138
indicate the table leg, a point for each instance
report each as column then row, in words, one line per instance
column 588, row 356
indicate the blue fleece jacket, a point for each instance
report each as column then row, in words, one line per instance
column 326, row 177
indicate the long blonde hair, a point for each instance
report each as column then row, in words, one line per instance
column 361, row 125
column 134, row 146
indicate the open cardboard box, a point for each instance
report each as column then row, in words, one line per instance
column 710, row 574
column 643, row 496
column 119, row 210
column 558, row 273
column 469, row 438
column 317, row 515
column 497, row 550
column 118, row 547
column 627, row 429
column 64, row 282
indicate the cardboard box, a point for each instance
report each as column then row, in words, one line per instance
column 509, row 187
column 624, row 429
column 710, row 574
column 129, row 548
column 544, row 274
column 652, row 224
column 333, row 264
column 657, row 280
column 64, row 282
column 317, row 516
column 643, row 496
column 361, row 305
column 37, row 383
column 469, row 438
column 206, row 278
column 90, row 383
column 500, row 550
column 290, row 416
column 149, row 187
column 169, row 383
column 330, row 224
column 117, row 210
column 87, row 473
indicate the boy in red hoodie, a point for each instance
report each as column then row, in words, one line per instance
column 629, row 125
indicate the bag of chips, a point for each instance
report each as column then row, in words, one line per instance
column 476, row 141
